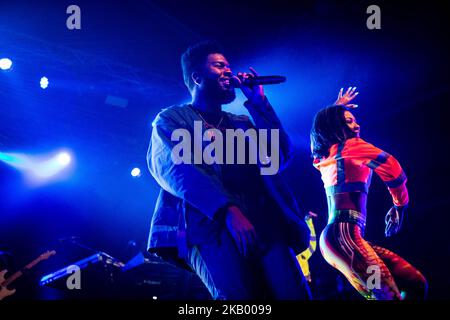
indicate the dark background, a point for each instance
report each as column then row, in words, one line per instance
column 131, row 50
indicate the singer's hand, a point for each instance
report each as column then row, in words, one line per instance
column 255, row 94
column 241, row 230
column 347, row 97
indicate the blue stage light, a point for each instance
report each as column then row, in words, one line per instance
column 136, row 172
column 44, row 82
column 42, row 168
column 5, row 63
column 46, row 167
column 64, row 158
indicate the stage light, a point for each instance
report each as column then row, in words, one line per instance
column 7, row 158
column 64, row 158
column 45, row 167
column 44, row 82
column 5, row 64
column 136, row 172
column 40, row 168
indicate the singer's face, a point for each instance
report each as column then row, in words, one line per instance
column 216, row 78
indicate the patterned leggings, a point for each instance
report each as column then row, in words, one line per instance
column 374, row 272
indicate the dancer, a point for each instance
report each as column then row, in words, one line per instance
column 346, row 163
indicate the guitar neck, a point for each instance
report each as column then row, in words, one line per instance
column 19, row 273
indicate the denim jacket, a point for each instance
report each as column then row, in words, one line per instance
column 200, row 185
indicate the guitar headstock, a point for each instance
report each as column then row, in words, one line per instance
column 47, row 255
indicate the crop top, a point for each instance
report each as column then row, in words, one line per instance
column 350, row 165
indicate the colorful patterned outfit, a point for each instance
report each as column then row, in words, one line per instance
column 349, row 168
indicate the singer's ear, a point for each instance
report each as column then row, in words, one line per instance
column 196, row 78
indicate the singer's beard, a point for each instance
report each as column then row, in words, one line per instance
column 222, row 95
column 228, row 96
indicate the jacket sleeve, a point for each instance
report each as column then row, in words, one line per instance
column 388, row 169
column 265, row 117
column 190, row 182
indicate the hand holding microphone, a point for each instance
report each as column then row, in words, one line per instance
column 256, row 80
column 254, row 93
column 251, row 84
column 252, row 79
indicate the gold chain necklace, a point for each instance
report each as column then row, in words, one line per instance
column 209, row 126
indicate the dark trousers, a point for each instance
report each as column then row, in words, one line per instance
column 273, row 273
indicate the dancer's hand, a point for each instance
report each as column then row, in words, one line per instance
column 393, row 220
column 347, row 97
column 241, row 230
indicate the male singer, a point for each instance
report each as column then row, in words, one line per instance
column 237, row 229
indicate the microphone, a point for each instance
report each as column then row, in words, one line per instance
column 257, row 80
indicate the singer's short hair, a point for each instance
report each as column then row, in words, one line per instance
column 193, row 58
